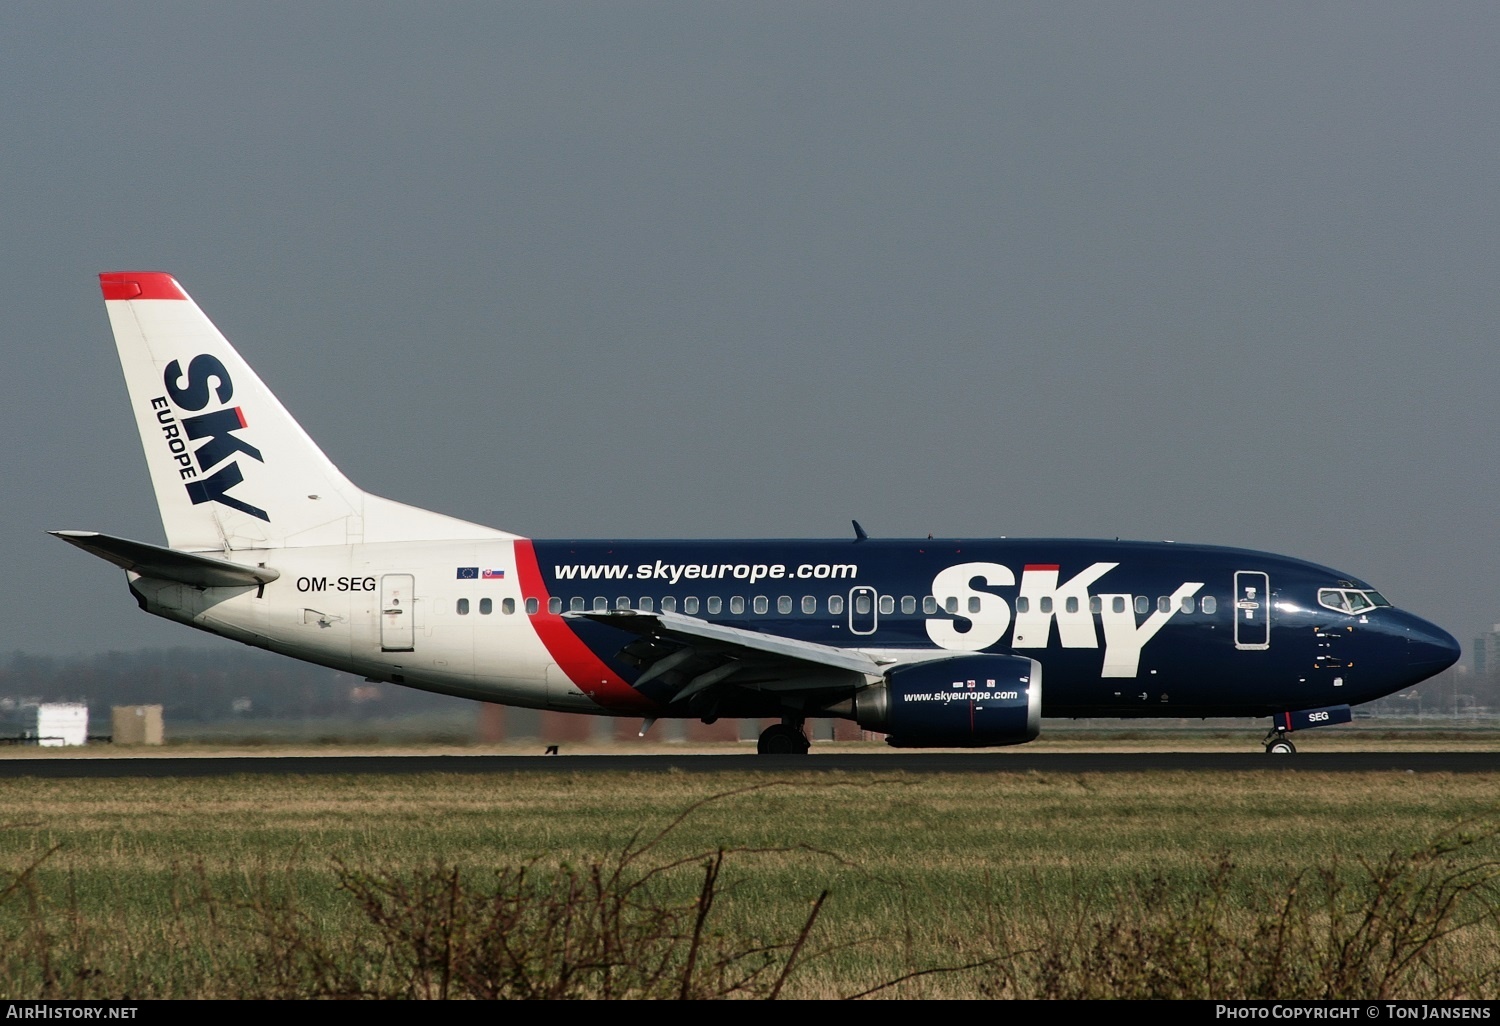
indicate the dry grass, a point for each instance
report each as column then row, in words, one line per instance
column 177, row 887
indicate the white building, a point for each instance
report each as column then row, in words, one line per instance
column 62, row 723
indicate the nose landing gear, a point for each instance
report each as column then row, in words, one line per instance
column 1277, row 743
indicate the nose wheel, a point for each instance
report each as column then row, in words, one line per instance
column 1277, row 743
column 784, row 738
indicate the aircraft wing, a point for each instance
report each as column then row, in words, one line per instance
column 689, row 655
column 165, row 564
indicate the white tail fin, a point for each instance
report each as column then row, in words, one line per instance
column 231, row 468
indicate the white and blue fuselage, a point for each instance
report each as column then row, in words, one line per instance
column 933, row 642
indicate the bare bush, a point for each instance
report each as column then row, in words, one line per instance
column 603, row 930
column 1397, row 928
column 627, row 926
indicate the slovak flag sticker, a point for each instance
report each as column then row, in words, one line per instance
column 493, row 575
column 468, row 573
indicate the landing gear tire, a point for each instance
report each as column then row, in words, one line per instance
column 1280, row 746
column 782, row 739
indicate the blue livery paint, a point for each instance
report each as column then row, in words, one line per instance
column 1154, row 629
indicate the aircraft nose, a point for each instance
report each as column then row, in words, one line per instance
column 1430, row 649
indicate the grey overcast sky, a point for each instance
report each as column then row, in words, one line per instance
column 1214, row 272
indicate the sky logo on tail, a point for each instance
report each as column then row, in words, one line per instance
column 210, row 468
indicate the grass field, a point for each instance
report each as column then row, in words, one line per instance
column 1166, row 884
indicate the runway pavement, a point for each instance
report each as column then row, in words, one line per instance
column 972, row 763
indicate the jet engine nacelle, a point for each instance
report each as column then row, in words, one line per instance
column 972, row 701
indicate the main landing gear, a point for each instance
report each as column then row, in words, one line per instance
column 784, row 738
column 1277, row 743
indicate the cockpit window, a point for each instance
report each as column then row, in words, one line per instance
column 1333, row 599
column 1350, row 600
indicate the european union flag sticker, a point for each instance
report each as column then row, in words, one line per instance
column 468, row 573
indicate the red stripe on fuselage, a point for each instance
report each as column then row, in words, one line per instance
column 567, row 649
column 1043, row 566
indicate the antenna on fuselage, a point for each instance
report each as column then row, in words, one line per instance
column 859, row 532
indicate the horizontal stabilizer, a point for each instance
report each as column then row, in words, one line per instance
column 164, row 564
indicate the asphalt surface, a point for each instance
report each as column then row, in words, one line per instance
column 882, row 763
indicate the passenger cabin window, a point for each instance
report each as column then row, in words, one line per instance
column 887, row 605
column 622, row 602
column 784, row 604
column 862, row 603
column 646, row 604
column 762, row 604
column 1210, row 604
column 1096, row 604
column 531, row 605
column 690, row 605
column 951, row 603
column 508, row 606
column 668, row 604
column 737, row 604
column 575, row 604
column 1118, row 604
column 1164, row 604
column 973, row 603
column 908, row 604
column 1071, row 603
column 715, row 604
column 1142, row 604
column 601, row 604
column 809, row 604
column 929, row 604
column 835, row 604
column 1187, row 603
column 1023, row 604
column 486, row 606
column 463, row 607
column 554, row 605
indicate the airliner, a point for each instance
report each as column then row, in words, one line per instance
column 930, row 642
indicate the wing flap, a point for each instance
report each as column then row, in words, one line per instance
column 737, row 641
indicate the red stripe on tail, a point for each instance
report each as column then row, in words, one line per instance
column 140, row 285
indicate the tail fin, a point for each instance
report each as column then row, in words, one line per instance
column 231, row 468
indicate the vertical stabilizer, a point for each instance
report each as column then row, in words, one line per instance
column 232, row 469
